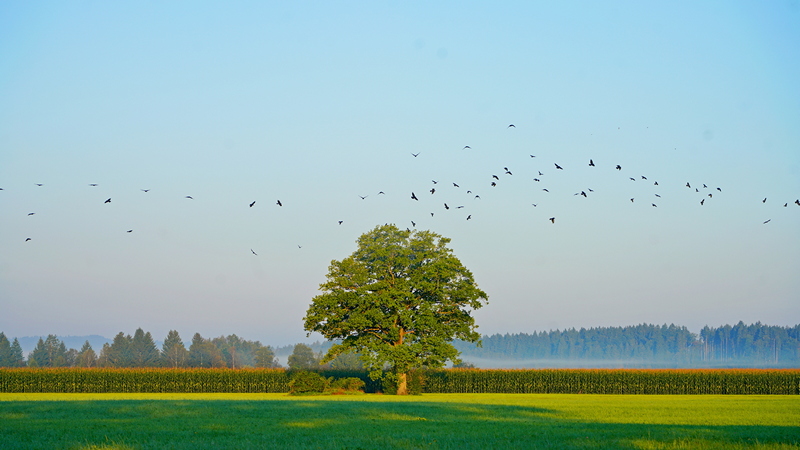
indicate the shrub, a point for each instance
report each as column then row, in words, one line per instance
column 347, row 385
column 304, row 382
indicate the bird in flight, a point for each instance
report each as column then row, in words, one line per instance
column 381, row 193
column 413, row 224
column 251, row 251
column 494, row 184
column 92, row 184
column 145, row 190
column 363, row 196
column 688, row 185
column 279, row 203
column 415, row 154
column 495, row 177
column 765, row 200
column 433, row 190
column 39, row 184
column 469, row 217
column 30, row 214
column 702, row 201
column 511, row 126
column 559, row 167
column 107, row 201
column 456, row 185
column 632, row 179
column 26, row 240
column 189, row 197
column 446, row 207
column 654, row 205
column 251, row 204
column 340, row 222
column 129, row 231
column 414, row 197
column 545, row 190
column 767, row 221
column 533, row 156
column 434, row 181
column 591, row 163
column 466, row 147
column 552, row 220
column 618, row 167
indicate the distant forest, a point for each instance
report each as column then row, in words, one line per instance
column 645, row 345
column 740, row 345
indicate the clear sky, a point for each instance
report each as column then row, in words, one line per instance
column 316, row 104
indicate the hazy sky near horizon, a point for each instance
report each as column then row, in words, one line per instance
column 318, row 104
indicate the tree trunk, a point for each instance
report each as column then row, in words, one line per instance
column 402, row 384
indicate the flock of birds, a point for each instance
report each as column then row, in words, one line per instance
column 702, row 190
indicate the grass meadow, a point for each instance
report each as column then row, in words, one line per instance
column 430, row 421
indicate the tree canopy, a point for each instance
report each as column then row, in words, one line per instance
column 398, row 301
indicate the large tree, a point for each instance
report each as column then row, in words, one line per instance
column 398, row 301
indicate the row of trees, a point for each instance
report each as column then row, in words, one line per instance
column 755, row 344
column 140, row 350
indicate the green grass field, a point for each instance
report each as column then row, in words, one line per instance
column 431, row 421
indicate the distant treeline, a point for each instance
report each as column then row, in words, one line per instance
column 755, row 345
column 140, row 350
column 740, row 345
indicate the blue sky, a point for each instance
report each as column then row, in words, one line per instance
column 317, row 104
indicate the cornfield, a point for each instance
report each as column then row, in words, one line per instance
column 615, row 381
column 556, row 381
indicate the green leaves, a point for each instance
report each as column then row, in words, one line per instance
column 398, row 300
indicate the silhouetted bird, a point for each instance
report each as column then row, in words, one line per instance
column 533, row 156
column 253, row 252
column 414, row 197
column 765, row 200
column 719, row 189
column 654, row 205
column 413, row 224
column 92, row 184
column 644, row 177
column 469, row 217
column 619, row 167
column 251, row 204
column 655, row 183
column 495, row 177
column 583, row 193
column 434, row 181
column 363, row 196
column 39, row 184
column 559, row 167
column 658, row 196
column 456, row 185
column 511, row 126
column 189, row 197
column 381, row 193
column 340, row 222
column 508, row 172
column 591, row 163
column 552, row 220
column 129, row 231
column 467, row 146
column 446, row 207
column 30, row 214
column 145, row 190
column 632, row 179
column 767, row 221
column 279, row 203
column 26, row 240
column 545, row 190
column 433, row 190
column 494, row 184
column 688, row 185
column 702, row 201
column 536, row 179
column 415, row 154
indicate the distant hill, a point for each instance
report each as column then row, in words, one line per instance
column 28, row 343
